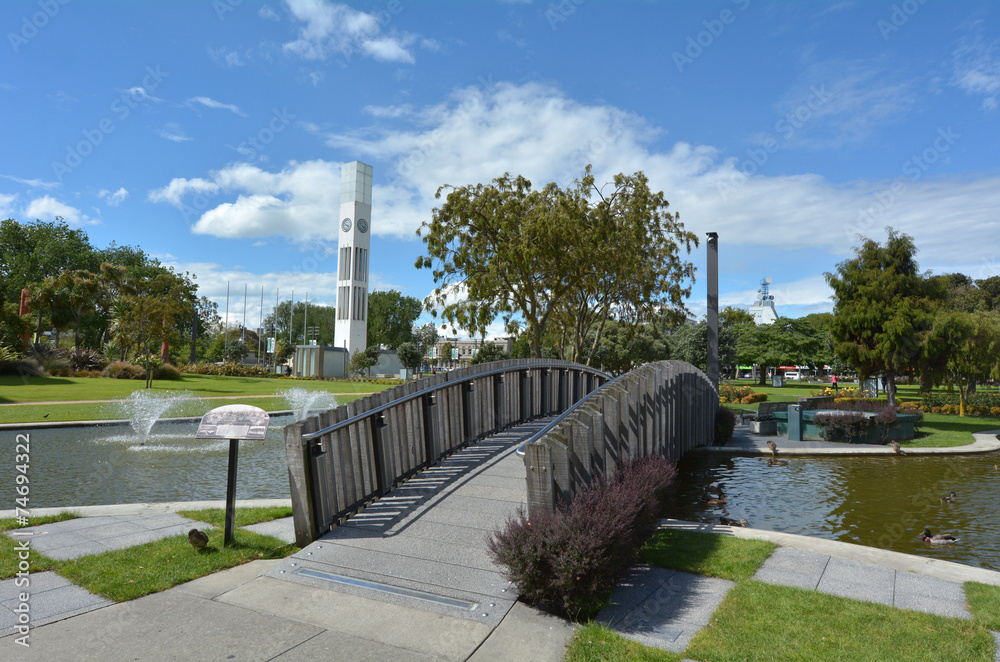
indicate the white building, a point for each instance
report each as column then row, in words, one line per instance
column 351, row 329
column 763, row 308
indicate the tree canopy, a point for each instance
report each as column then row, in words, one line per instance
column 390, row 318
column 883, row 308
column 573, row 257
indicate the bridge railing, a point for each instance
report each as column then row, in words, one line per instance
column 663, row 408
column 343, row 458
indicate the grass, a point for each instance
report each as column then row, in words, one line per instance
column 984, row 603
column 759, row 621
column 125, row 574
column 706, row 553
column 8, row 546
column 244, row 516
column 261, row 392
column 597, row 643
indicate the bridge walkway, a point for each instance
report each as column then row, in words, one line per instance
column 424, row 545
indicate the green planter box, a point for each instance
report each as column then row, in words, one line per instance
column 812, row 432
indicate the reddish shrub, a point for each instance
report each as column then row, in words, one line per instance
column 571, row 560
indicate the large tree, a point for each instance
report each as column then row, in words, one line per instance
column 972, row 343
column 883, row 309
column 577, row 256
column 390, row 318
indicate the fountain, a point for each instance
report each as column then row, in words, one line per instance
column 144, row 408
column 302, row 401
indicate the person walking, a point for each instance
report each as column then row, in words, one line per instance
column 833, row 381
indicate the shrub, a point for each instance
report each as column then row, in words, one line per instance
column 741, row 394
column 843, row 427
column 85, row 358
column 886, row 421
column 949, row 409
column 725, row 423
column 994, row 411
column 225, row 370
column 123, row 370
column 166, row 371
column 935, row 410
column 571, row 560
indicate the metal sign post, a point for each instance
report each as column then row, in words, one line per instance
column 233, row 422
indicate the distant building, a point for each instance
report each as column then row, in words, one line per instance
column 763, row 308
column 462, row 351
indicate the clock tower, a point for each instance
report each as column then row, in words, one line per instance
column 354, row 229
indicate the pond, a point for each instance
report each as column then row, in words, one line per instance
column 880, row 501
column 85, row 466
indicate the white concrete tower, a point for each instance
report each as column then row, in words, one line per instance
column 355, row 238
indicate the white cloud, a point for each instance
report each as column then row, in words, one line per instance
column 212, row 103
column 33, row 183
column 976, row 68
column 113, row 199
column 47, row 208
column 173, row 131
column 269, row 14
column 300, row 202
column 179, row 187
column 536, row 131
column 338, row 29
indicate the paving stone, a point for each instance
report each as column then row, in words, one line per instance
column 793, row 567
column 283, row 529
column 930, row 594
column 856, row 579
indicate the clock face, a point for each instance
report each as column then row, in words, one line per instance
column 346, row 225
column 362, row 225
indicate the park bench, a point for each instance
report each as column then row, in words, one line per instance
column 764, row 413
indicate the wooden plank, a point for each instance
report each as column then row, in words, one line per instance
column 538, row 474
column 300, row 485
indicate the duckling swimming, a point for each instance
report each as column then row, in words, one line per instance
column 938, row 539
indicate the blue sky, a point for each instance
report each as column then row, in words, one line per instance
column 211, row 134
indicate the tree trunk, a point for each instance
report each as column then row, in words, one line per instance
column 890, row 387
column 763, row 376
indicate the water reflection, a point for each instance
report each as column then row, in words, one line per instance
column 877, row 501
column 82, row 466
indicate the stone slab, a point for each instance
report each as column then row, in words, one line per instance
column 164, row 626
column 283, row 529
column 52, row 598
column 527, row 635
column 670, row 616
column 402, row 627
column 793, row 567
column 930, row 594
column 465, row 553
column 859, row 580
column 341, row 647
column 214, row 585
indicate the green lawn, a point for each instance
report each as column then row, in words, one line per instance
column 213, row 391
column 759, row 621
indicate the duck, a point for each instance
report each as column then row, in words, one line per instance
column 774, row 448
column 895, row 447
column 949, row 498
column 715, row 501
column 732, row 522
column 198, row 539
column 938, row 539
